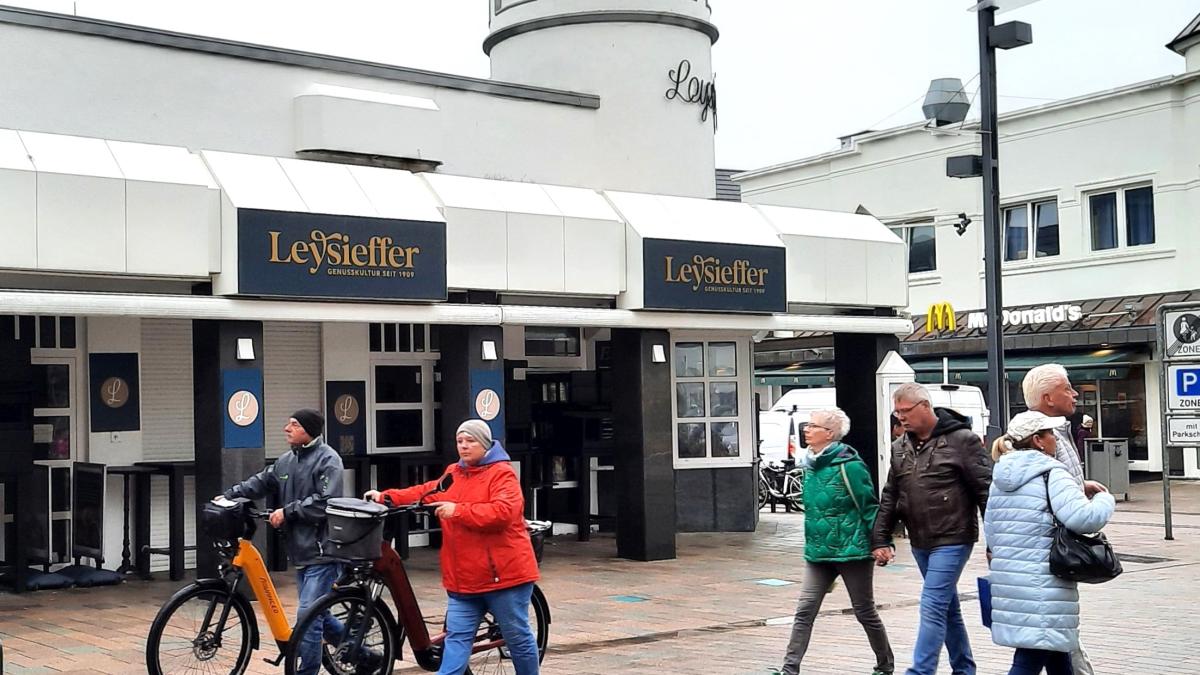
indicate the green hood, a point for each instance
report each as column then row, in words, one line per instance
column 833, row 454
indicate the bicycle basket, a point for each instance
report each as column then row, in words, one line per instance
column 537, row 530
column 354, row 529
column 224, row 521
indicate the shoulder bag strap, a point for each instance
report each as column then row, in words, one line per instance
column 1049, row 503
column 846, row 480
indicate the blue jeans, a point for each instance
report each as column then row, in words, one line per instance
column 1032, row 661
column 313, row 582
column 941, row 617
column 510, row 607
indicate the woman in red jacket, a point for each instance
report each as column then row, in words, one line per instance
column 487, row 559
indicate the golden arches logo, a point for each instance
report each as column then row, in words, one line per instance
column 940, row 317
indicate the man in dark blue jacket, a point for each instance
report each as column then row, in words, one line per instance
column 303, row 479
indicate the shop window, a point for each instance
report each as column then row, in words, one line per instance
column 1120, row 218
column 1031, row 225
column 1123, row 411
column 550, row 341
column 399, row 338
column 921, row 239
column 708, row 423
column 403, row 404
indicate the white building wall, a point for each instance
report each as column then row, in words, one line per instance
column 150, row 94
column 1061, row 151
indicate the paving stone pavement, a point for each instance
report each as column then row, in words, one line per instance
column 705, row 612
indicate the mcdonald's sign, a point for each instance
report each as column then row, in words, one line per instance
column 939, row 317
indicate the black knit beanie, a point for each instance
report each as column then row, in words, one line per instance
column 312, row 421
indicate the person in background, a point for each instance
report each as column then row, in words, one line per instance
column 938, row 483
column 897, row 428
column 1047, row 389
column 840, row 507
column 304, row 480
column 488, row 564
column 1032, row 610
column 1083, row 433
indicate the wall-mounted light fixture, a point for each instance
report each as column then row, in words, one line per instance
column 245, row 349
column 658, row 354
column 489, row 350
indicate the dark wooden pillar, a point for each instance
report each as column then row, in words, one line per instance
column 644, row 462
column 856, row 357
column 16, row 434
column 471, row 384
column 229, row 431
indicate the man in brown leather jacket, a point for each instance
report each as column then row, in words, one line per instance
column 937, row 486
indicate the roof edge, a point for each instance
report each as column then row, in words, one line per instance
column 1190, row 35
column 854, row 140
column 32, row 18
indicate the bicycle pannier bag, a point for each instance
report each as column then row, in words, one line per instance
column 225, row 521
column 1085, row 558
column 537, row 536
column 354, row 529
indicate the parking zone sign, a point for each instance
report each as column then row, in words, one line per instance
column 1183, row 388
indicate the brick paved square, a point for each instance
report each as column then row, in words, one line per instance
column 704, row 613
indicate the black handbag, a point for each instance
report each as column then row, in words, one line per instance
column 1083, row 558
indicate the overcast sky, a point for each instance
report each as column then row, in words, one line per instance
column 792, row 75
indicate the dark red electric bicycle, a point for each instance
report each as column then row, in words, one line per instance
column 365, row 637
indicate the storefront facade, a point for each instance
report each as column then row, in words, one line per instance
column 182, row 273
column 1098, row 198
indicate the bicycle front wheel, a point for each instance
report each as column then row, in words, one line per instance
column 188, row 636
column 499, row 661
column 355, row 641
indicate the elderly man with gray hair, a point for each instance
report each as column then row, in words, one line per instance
column 1047, row 389
column 840, row 508
column 937, row 486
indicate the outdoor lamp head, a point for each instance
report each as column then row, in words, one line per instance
column 946, row 102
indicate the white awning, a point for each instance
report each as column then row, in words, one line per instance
column 293, row 186
column 75, row 204
column 840, row 258
column 680, row 253
column 519, row 237
column 221, row 308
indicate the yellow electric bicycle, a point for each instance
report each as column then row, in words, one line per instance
column 208, row 626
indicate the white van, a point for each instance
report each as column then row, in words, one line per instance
column 796, row 405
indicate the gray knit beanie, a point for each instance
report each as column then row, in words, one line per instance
column 477, row 429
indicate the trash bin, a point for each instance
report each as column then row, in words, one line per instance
column 1107, row 461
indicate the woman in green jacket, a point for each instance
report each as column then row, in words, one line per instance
column 839, row 512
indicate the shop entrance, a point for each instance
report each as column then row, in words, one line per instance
column 560, row 435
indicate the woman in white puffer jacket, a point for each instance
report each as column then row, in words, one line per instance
column 1033, row 610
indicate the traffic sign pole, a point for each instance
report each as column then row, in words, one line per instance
column 1178, row 328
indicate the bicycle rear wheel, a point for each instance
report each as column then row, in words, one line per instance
column 185, row 636
column 498, row 661
column 355, row 642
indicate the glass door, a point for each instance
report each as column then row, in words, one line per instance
column 55, row 443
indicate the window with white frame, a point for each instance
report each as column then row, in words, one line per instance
column 1121, row 217
column 1031, row 230
column 403, row 404
column 708, row 405
column 921, row 239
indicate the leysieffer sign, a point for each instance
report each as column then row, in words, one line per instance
column 318, row 255
column 709, row 276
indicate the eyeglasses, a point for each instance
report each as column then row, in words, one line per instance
column 901, row 412
column 810, row 424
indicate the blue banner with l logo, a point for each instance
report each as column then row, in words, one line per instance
column 242, row 396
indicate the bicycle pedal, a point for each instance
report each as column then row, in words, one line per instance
column 278, row 660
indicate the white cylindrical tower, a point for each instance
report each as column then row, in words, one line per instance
column 649, row 61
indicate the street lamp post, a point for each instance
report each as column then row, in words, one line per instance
column 991, row 37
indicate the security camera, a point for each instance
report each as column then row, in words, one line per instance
column 961, row 226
